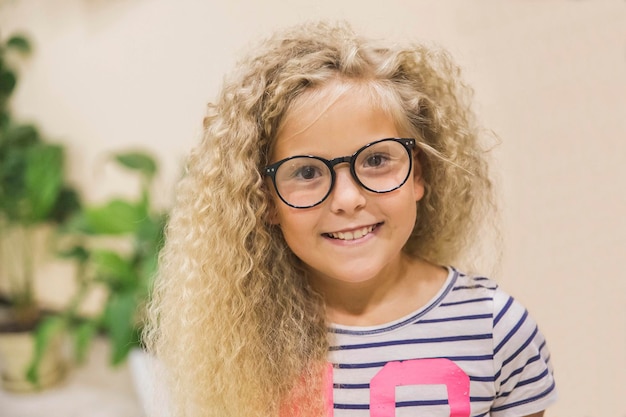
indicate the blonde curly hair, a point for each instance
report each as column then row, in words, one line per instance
column 233, row 318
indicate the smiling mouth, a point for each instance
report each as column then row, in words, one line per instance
column 354, row 234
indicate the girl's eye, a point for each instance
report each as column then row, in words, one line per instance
column 375, row 160
column 307, row 172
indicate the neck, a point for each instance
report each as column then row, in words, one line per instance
column 394, row 293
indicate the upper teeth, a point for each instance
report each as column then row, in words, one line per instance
column 357, row 234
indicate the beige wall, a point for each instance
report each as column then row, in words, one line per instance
column 550, row 79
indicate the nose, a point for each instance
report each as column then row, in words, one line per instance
column 347, row 195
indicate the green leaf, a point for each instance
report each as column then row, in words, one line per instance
column 19, row 43
column 78, row 252
column 149, row 243
column 8, row 80
column 83, row 337
column 114, row 270
column 138, row 161
column 21, row 136
column 150, row 231
column 77, row 223
column 119, row 320
column 67, row 203
column 12, row 172
column 147, row 272
column 45, row 333
column 5, row 118
column 116, row 217
column 44, row 178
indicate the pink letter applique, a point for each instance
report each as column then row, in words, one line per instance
column 435, row 371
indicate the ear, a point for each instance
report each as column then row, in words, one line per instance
column 418, row 179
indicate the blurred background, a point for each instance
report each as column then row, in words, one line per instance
column 106, row 79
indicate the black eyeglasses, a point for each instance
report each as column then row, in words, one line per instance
column 304, row 181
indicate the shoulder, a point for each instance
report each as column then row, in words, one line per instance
column 513, row 328
column 509, row 318
column 466, row 289
column 524, row 377
column 508, row 313
column 522, row 362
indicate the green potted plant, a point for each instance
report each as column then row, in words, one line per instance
column 115, row 245
column 126, row 270
column 34, row 195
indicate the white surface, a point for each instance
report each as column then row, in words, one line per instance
column 151, row 392
column 93, row 390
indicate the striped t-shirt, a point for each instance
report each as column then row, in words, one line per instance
column 472, row 351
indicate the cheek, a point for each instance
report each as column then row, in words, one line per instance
column 405, row 213
column 298, row 226
column 291, row 221
column 297, row 236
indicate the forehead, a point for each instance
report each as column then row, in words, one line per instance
column 312, row 105
column 334, row 120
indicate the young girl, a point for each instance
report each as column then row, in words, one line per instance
column 307, row 268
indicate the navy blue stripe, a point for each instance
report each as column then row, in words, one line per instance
column 480, row 279
column 383, row 363
column 547, row 359
column 482, row 378
column 366, row 386
column 543, row 346
column 481, row 399
column 351, row 406
column 459, row 318
column 411, row 342
column 360, row 365
column 503, row 311
column 474, row 300
column 417, row 403
column 521, row 349
column 520, row 370
column 512, row 332
column 524, row 382
column 421, row 403
column 351, row 386
column 532, row 380
column 525, row 401
column 472, row 287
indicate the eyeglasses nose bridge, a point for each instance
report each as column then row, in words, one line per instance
column 349, row 159
column 340, row 160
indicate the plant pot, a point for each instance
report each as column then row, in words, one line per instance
column 16, row 353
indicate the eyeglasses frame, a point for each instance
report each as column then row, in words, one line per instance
column 271, row 170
